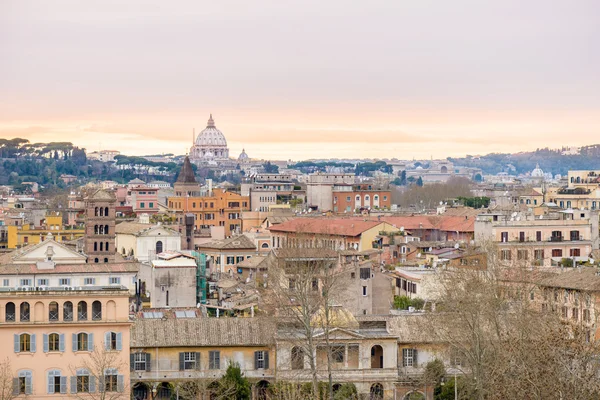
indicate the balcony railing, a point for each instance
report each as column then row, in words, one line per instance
column 556, row 238
column 11, row 317
column 82, row 316
column 24, row 316
column 53, row 316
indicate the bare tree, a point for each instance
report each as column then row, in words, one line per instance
column 504, row 345
column 304, row 287
column 97, row 376
column 6, row 380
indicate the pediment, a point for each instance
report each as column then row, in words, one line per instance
column 59, row 253
column 341, row 334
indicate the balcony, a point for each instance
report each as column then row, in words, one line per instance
column 556, row 238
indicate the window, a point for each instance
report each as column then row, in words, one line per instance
column 142, row 205
column 575, row 314
column 114, row 280
column 11, row 315
column 348, row 198
column 230, row 260
column 96, row 311
column 575, row 252
column 82, row 311
column 538, row 254
column 24, row 343
column 364, row 290
column 150, row 205
column 214, row 360
column 83, row 382
column 68, row 311
column 297, row 358
column 89, row 281
column 292, row 284
column 113, row 341
column 23, row 383
column 365, row 273
column 538, row 236
column 24, row 312
column 556, row 252
column 54, row 342
column 586, row 315
column 53, row 311
column 42, row 282
column 522, row 254
column 113, row 382
column 504, row 237
column 141, row 361
column 189, row 360
column 261, row 359
column 409, row 357
column 83, row 341
column 6, row 282
column 56, row 383
column 337, row 354
column 505, row 255
column 25, row 282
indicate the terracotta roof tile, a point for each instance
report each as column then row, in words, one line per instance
column 197, row 332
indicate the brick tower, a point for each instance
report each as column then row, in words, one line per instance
column 100, row 244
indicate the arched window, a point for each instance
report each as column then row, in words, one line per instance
column 376, row 356
column 54, row 342
column 96, row 311
column 96, row 259
column 23, row 384
column 159, row 247
column 376, row 392
column 96, row 209
column 113, row 341
column 528, row 201
column 297, row 358
column 23, row 343
column 101, row 246
column 106, row 229
column 95, row 229
column 68, row 311
column 53, row 311
column 24, row 311
column 95, row 246
column 84, row 383
column 106, row 211
column 10, row 309
column 367, row 200
column 105, row 246
column 83, row 341
column 82, row 311
column 56, row 382
column 105, row 260
column 264, row 245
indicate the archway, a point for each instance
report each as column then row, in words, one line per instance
column 376, row 356
column 414, row 395
column 444, row 169
column 140, row 391
column 376, row 392
column 262, row 390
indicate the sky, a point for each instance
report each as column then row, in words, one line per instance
column 303, row 79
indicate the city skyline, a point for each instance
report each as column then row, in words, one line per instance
column 335, row 80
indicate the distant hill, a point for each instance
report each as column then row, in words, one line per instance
column 549, row 160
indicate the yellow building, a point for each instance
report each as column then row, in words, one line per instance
column 23, row 235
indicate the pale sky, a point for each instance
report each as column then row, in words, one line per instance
column 303, row 79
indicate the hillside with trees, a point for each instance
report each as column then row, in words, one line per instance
column 550, row 160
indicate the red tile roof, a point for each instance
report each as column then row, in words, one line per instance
column 327, row 226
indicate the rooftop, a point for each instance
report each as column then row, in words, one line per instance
column 326, row 226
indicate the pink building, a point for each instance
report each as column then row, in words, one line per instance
column 144, row 200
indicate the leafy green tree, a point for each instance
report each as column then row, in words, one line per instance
column 234, row 385
column 420, row 182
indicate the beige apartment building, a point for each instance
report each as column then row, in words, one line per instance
column 540, row 240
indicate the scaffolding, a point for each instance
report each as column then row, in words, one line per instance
column 200, row 277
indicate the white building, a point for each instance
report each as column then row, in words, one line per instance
column 103, row 155
column 144, row 241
